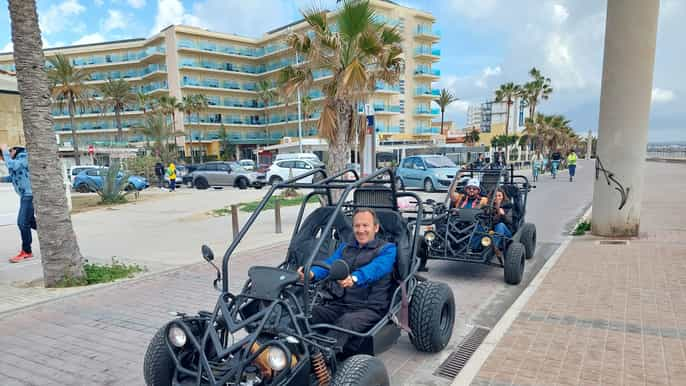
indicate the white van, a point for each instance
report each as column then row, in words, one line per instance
column 301, row 156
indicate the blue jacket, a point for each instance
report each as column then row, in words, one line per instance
column 381, row 266
column 19, row 173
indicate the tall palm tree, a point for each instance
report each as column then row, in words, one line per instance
column 169, row 105
column 536, row 90
column 144, row 101
column 507, row 93
column 61, row 256
column 443, row 101
column 67, row 85
column 117, row 95
column 200, row 104
column 187, row 107
column 155, row 128
column 266, row 94
column 356, row 55
column 472, row 137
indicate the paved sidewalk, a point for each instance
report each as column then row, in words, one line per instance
column 607, row 314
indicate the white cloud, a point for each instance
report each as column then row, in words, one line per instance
column 560, row 13
column 59, row 16
column 172, row 12
column 137, row 3
column 662, row 95
column 115, row 20
column 9, row 47
column 487, row 72
column 99, row 3
column 90, row 39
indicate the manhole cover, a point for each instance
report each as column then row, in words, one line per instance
column 458, row 358
column 613, row 242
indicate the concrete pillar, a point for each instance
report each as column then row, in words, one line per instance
column 630, row 37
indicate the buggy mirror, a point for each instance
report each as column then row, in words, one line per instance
column 207, row 253
column 339, row 270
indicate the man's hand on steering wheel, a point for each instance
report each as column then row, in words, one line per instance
column 301, row 274
column 347, row 282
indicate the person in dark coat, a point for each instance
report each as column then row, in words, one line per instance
column 363, row 298
column 159, row 173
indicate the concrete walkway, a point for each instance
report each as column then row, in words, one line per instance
column 605, row 313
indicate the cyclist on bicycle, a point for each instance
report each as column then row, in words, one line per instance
column 556, row 159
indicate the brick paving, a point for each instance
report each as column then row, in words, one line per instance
column 607, row 314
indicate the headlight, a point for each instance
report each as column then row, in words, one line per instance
column 276, row 359
column 429, row 236
column 486, row 241
column 177, row 337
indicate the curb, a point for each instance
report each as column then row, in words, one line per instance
column 473, row 365
column 117, row 283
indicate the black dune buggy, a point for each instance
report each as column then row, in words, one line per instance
column 262, row 335
column 467, row 234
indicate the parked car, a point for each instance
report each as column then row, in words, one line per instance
column 226, row 174
column 187, row 178
column 281, row 170
column 248, row 164
column 75, row 170
column 430, row 172
column 303, row 156
column 91, row 180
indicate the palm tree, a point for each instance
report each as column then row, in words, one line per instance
column 224, row 141
column 537, row 89
column 144, row 102
column 443, row 101
column 472, row 137
column 187, row 107
column 507, row 93
column 61, row 256
column 200, row 104
column 306, row 108
column 67, row 85
column 266, row 95
column 117, row 95
column 155, row 128
column 359, row 53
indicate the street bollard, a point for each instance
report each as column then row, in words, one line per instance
column 277, row 215
column 234, row 220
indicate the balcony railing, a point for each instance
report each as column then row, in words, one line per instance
column 383, row 86
column 427, row 111
column 427, row 71
column 232, row 50
column 433, row 51
column 425, row 91
column 427, row 31
column 426, row 130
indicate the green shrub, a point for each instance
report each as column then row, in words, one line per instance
column 99, row 273
column 113, row 190
column 582, row 228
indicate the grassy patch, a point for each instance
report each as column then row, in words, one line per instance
column 252, row 205
column 102, row 273
column 582, row 228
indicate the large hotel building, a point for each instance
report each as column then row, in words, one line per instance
column 183, row 60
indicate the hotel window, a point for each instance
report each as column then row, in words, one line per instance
column 402, row 86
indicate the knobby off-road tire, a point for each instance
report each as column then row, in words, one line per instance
column 158, row 365
column 361, row 370
column 514, row 263
column 528, row 238
column 432, row 315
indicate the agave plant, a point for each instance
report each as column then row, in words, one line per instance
column 115, row 186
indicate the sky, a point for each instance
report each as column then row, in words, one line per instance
column 484, row 43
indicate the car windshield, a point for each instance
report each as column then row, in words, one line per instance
column 439, row 162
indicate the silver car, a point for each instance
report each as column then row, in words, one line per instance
column 226, row 174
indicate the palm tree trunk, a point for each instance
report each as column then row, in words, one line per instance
column 199, row 138
column 120, row 131
column 339, row 149
column 507, row 131
column 442, row 116
column 61, row 256
column 74, row 140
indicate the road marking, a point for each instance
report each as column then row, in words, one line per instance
column 471, row 369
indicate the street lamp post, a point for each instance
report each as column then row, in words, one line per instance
column 629, row 58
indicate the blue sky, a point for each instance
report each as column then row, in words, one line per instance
column 484, row 43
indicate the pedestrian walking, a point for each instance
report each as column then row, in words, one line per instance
column 556, row 159
column 537, row 165
column 17, row 161
column 571, row 164
column 159, row 172
column 171, row 173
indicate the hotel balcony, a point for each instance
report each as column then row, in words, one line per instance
column 430, row 53
column 427, row 73
column 424, row 111
column 427, row 33
column 428, row 93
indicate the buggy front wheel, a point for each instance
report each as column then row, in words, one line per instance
column 432, row 316
column 528, row 238
column 158, row 365
column 361, row 370
column 514, row 263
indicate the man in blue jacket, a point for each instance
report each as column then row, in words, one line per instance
column 17, row 162
column 364, row 296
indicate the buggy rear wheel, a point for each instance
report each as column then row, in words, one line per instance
column 528, row 238
column 514, row 263
column 158, row 365
column 432, row 316
column 361, row 370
